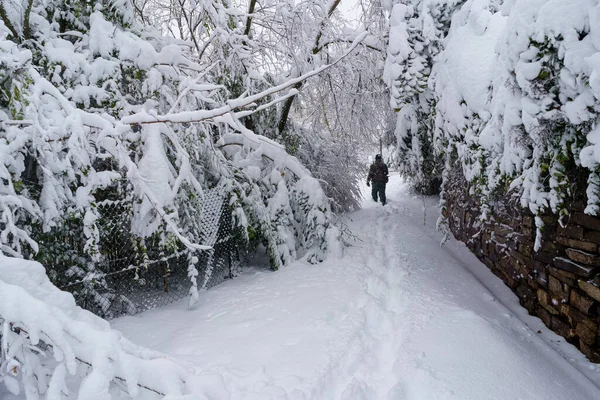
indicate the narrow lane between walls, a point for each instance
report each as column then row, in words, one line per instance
column 398, row 317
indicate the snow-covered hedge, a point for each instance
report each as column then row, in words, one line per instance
column 517, row 97
column 417, row 32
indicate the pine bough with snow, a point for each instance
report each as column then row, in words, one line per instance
column 508, row 90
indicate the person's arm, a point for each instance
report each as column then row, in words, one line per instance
column 370, row 176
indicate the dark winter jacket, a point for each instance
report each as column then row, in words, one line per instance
column 378, row 172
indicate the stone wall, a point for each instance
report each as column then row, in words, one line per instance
column 560, row 283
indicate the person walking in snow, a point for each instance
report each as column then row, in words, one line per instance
column 378, row 174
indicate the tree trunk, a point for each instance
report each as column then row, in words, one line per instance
column 249, row 19
column 9, row 24
column 287, row 106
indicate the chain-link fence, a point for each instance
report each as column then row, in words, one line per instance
column 126, row 274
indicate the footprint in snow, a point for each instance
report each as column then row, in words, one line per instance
column 211, row 317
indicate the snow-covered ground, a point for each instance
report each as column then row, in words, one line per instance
column 399, row 317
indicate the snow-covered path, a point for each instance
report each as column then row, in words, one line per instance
column 397, row 318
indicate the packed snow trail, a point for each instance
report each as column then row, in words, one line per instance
column 399, row 317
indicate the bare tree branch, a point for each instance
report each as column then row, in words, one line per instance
column 203, row 115
column 349, row 41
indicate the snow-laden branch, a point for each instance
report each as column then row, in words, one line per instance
column 232, row 105
column 166, row 218
column 299, row 197
column 245, row 113
column 16, row 122
column 276, row 154
column 110, row 132
column 342, row 40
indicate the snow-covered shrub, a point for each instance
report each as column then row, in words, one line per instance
column 47, row 344
column 290, row 214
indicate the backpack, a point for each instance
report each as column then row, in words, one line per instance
column 379, row 172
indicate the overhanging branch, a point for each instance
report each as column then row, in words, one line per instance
column 232, row 105
column 368, row 46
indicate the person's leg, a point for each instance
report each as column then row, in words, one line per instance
column 374, row 191
column 382, row 193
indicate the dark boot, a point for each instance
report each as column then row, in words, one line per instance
column 382, row 193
